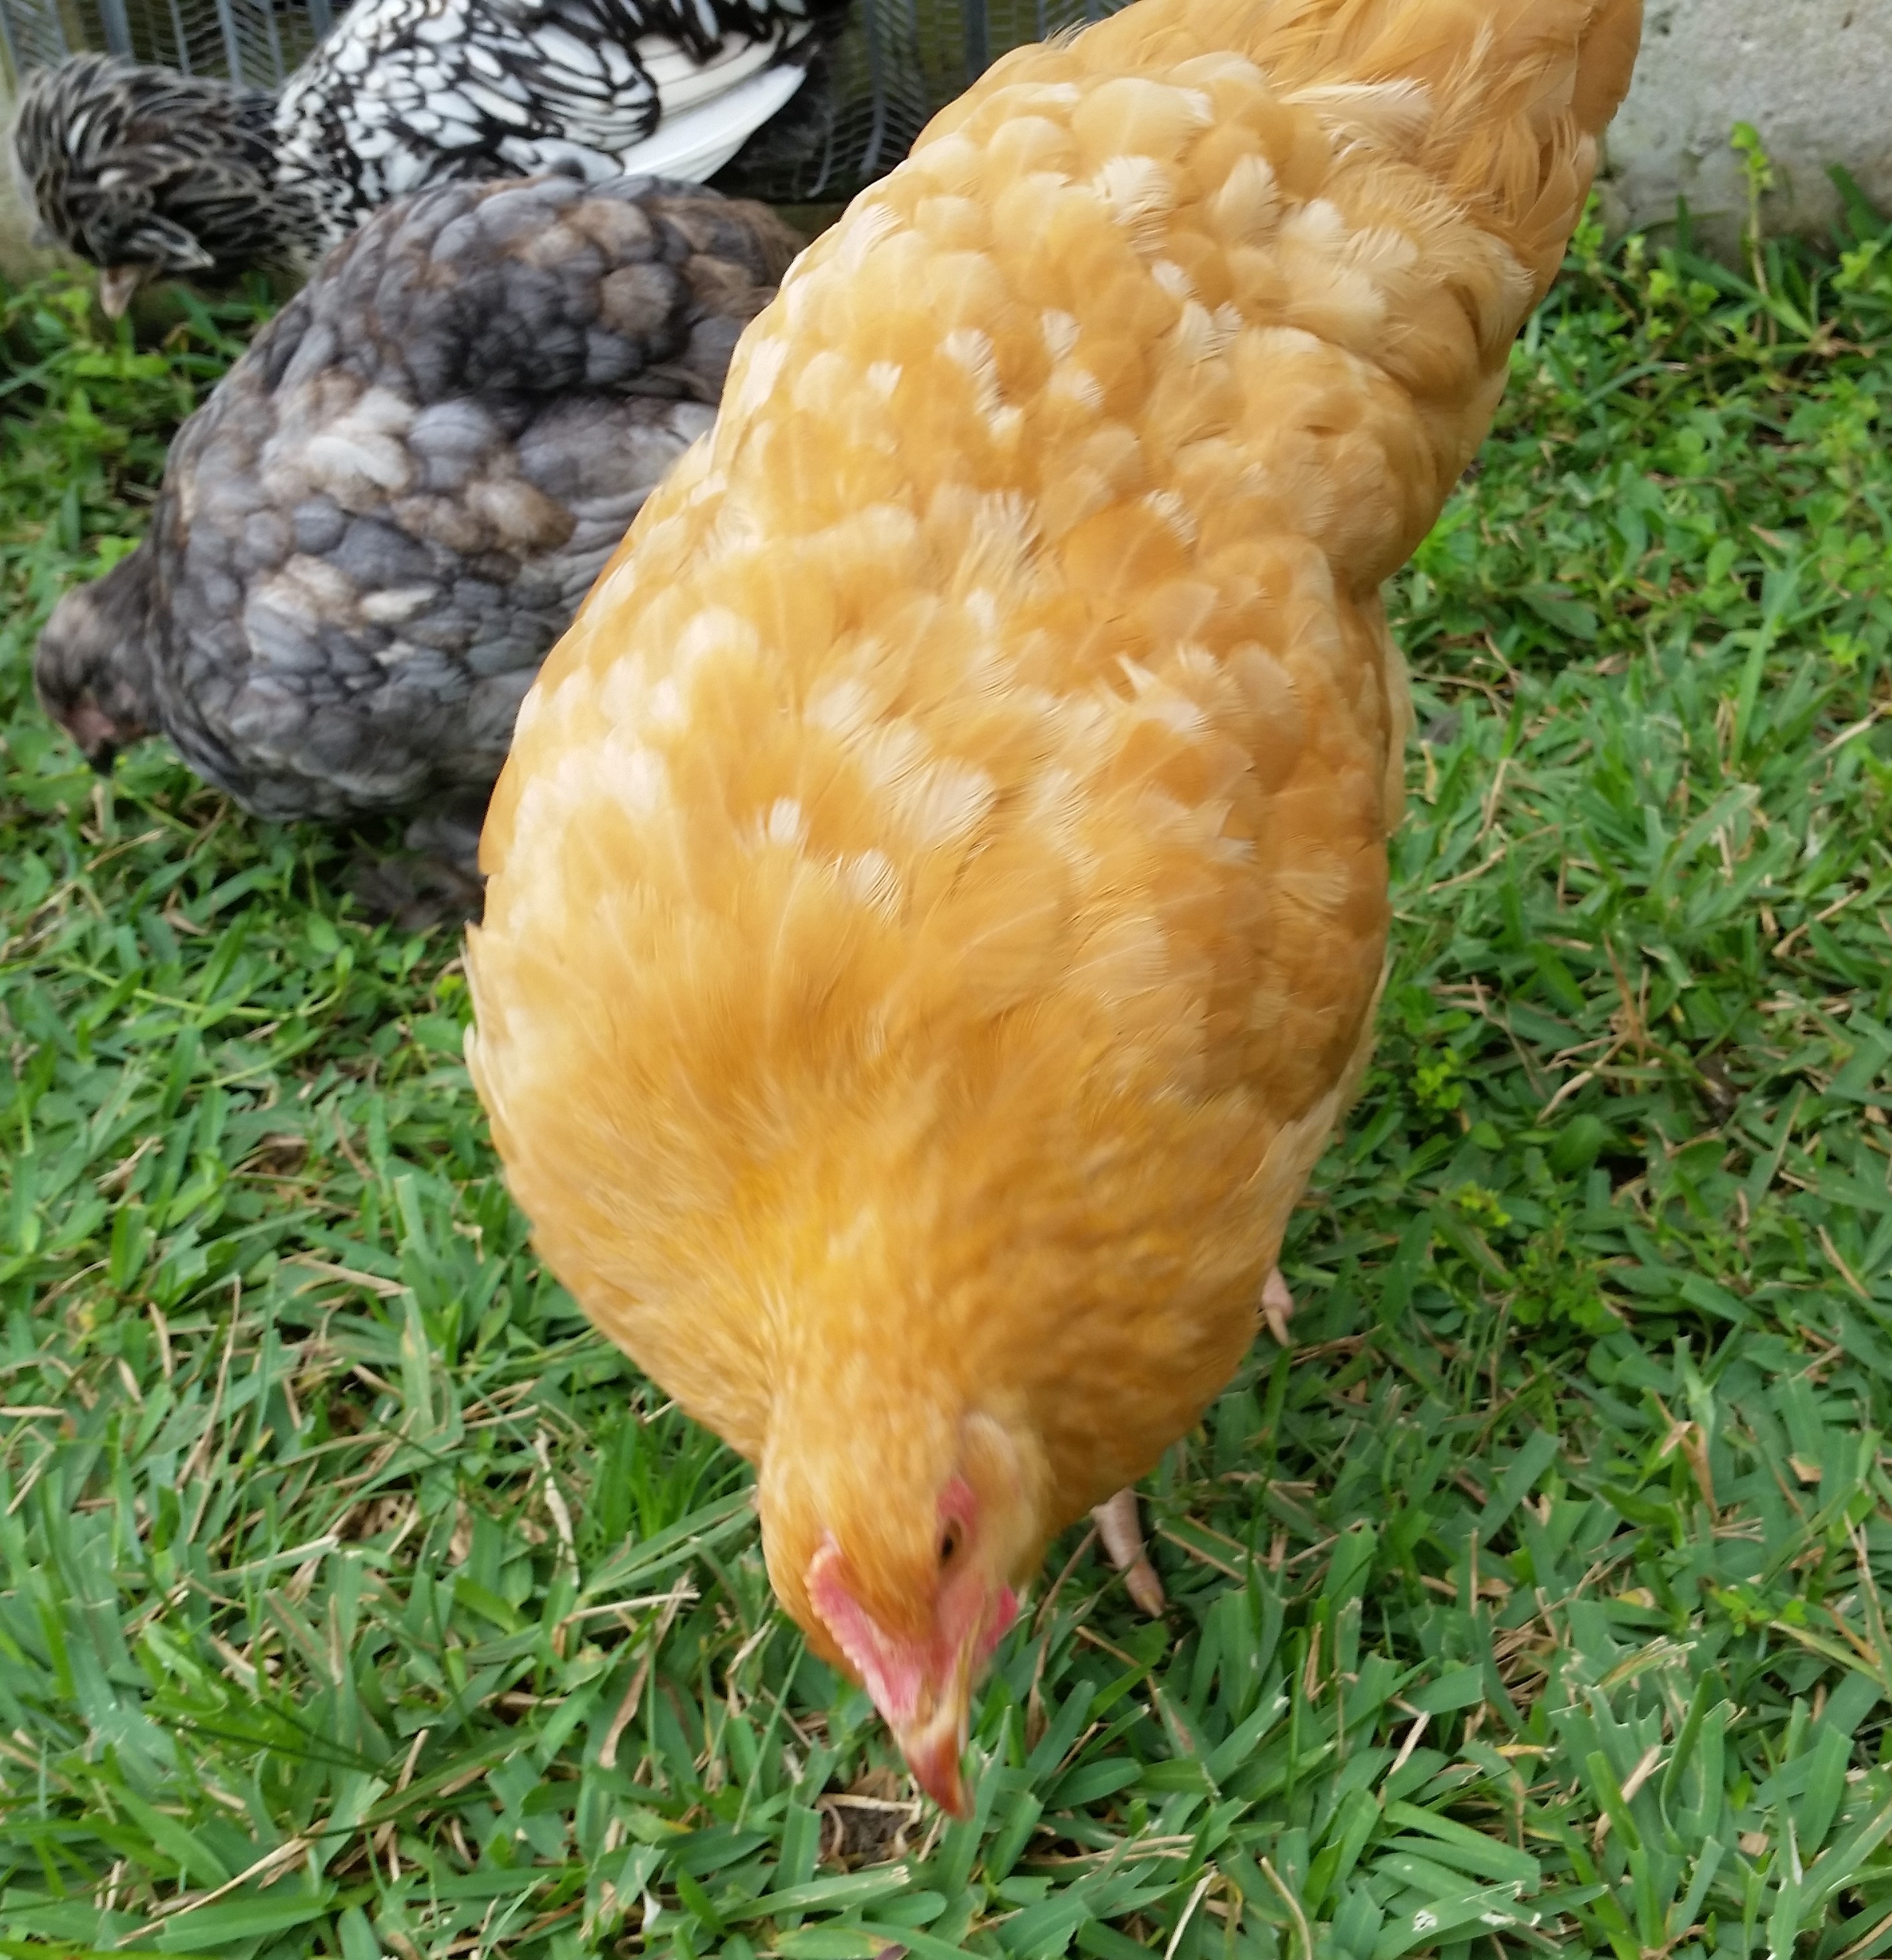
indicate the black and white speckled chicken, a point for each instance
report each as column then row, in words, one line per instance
column 149, row 172
column 387, row 511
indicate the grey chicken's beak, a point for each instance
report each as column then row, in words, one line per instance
column 117, row 284
column 92, row 731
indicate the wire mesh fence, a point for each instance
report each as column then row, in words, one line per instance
column 895, row 63
column 258, row 41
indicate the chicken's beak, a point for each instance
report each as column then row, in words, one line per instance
column 934, row 1742
column 94, row 733
column 117, row 284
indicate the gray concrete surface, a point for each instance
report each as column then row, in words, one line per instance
column 19, row 258
column 16, row 222
column 1814, row 77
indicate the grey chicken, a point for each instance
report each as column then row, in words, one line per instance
column 371, row 535
column 149, row 172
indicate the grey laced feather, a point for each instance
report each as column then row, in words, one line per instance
column 371, row 534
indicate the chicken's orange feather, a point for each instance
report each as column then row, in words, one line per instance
column 939, row 893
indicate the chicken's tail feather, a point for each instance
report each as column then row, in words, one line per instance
column 1515, row 93
column 1522, row 100
column 695, row 142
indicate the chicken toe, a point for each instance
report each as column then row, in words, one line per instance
column 1122, row 1535
column 1277, row 1303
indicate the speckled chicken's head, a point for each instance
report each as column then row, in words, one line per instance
column 93, row 667
column 146, row 172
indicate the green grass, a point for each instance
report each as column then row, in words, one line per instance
column 354, row 1599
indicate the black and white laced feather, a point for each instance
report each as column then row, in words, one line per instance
column 147, row 172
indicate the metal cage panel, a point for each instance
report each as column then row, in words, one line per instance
column 896, row 63
column 258, row 41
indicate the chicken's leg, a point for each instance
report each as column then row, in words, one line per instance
column 1117, row 1520
column 1277, row 1303
column 1122, row 1536
column 435, row 876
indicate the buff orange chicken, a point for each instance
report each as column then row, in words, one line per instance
column 938, row 894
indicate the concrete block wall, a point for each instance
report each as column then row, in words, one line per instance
column 1814, row 77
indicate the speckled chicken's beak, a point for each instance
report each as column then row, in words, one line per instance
column 117, row 284
column 933, row 1744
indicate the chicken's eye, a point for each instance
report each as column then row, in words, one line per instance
column 948, row 1544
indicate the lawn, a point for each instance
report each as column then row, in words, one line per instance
column 356, row 1600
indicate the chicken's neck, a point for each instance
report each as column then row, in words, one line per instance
column 308, row 212
column 884, row 1459
column 242, row 210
